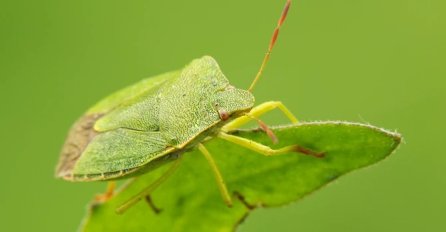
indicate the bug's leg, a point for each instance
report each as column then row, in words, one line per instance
column 149, row 189
column 265, row 150
column 242, row 199
column 256, row 112
column 220, row 182
column 111, row 185
column 152, row 205
column 267, row 130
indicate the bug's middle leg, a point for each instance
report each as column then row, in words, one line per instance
column 256, row 112
column 220, row 182
column 152, row 205
column 147, row 191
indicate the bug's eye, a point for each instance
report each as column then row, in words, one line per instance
column 224, row 115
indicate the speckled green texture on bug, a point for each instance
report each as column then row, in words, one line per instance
column 150, row 123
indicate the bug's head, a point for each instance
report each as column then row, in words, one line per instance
column 232, row 102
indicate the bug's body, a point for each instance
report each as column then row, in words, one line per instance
column 151, row 122
column 154, row 121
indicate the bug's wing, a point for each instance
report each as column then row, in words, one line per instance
column 131, row 92
column 89, row 155
column 83, row 133
column 116, row 152
column 141, row 112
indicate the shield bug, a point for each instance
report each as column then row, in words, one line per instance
column 155, row 121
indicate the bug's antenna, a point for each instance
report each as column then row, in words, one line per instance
column 271, row 44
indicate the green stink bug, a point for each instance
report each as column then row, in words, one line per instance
column 155, row 121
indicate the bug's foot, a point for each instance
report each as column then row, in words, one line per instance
column 310, row 152
column 242, row 199
column 149, row 201
column 101, row 198
column 267, row 130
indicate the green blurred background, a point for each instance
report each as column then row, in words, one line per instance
column 372, row 61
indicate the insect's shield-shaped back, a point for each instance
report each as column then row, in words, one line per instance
column 145, row 121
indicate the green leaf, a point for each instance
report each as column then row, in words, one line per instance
column 190, row 200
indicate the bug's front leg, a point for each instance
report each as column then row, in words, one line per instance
column 258, row 111
column 265, row 150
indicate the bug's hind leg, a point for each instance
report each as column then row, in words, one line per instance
column 256, row 112
column 149, row 189
column 100, row 198
column 265, row 150
column 220, row 182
